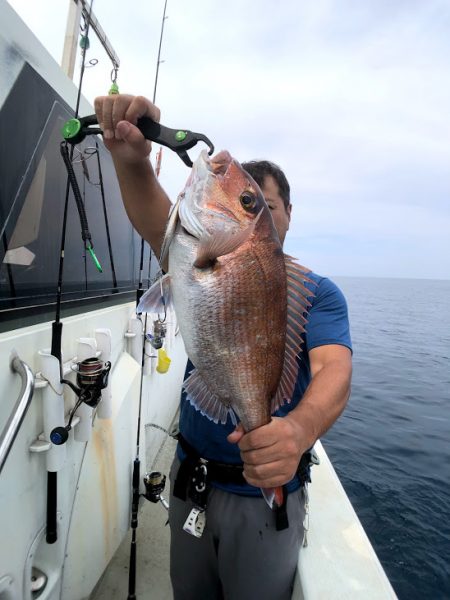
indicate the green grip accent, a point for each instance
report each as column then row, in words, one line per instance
column 84, row 42
column 114, row 89
column 95, row 259
column 180, row 136
column 70, row 129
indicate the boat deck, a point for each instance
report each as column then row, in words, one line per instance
column 337, row 547
column 153, row 537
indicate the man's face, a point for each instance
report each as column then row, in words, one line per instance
column 280, row 215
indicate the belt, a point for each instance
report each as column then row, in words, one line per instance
column 196, row 473
column 217, row 471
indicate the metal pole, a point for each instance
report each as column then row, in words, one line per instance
column 71, row 39
column 76, row 9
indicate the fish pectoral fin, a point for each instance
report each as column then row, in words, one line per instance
column 205, row 401
column 157, row 298
column 221, row 243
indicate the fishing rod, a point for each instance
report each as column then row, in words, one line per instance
column 136, row 478
column 92, row 373
column 52, row 477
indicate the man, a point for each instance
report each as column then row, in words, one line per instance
column 243, row 553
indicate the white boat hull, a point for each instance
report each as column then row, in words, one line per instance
column 94, row 484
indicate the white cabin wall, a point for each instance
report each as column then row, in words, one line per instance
column 101, row 511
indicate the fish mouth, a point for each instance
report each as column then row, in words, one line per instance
column 204, row 171
column 187, row 232
column 219, row 163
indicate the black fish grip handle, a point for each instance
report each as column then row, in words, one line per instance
column 178, row 140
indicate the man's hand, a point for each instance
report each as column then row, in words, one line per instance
column 145, row 201
column 270, row 453
column 117, row 116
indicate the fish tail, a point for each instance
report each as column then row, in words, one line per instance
column 273, row 496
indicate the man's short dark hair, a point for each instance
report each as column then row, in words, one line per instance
column 260, row 169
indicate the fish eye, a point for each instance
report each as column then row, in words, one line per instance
column 248, row 200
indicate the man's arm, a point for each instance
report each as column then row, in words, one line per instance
column 271, row 453
column 146, row 203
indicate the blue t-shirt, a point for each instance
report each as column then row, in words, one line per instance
column 327, row 324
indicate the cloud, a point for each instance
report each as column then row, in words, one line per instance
column 351, row 98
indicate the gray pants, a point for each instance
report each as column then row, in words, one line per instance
column 240, row 555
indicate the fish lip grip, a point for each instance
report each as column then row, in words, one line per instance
column 179, row 140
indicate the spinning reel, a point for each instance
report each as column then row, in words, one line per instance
column 156, row 339
column 154, row 486
column 92, row 378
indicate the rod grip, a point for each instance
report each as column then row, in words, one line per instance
column 51, row 534
column 56, row 339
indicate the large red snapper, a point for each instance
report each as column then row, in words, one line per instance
column 240, row 302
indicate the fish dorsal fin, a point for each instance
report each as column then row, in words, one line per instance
column 297, row 310
column 157, row 298
column 205, row 401
column 220, row 243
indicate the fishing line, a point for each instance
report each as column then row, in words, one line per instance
column 158, row 165
column 136, row 463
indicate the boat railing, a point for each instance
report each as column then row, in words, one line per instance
column 12, row 427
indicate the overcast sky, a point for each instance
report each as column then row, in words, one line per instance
column 350, row 97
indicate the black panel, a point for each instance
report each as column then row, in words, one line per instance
column 22, row 122
column 32, row 196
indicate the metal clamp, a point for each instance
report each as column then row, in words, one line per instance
column 195, row 523
column 200, row 483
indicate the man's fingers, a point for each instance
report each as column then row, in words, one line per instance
column 262, row 456
column 131, row 134
column 262, row 437
column 141, row 107
column 270, row 475
column 235, row 436
column 111, row 110
column 107, row 117
column 98, row 105
column 118, row 110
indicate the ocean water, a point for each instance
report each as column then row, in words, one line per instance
column 391, row 447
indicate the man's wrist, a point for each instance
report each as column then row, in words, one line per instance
column 135, row 165
column 305, row 424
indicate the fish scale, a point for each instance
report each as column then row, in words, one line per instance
column 239, row 337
